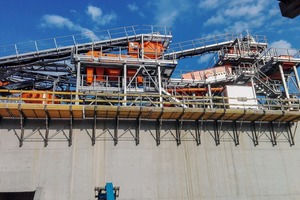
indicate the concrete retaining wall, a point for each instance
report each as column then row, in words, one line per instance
column 147, row 171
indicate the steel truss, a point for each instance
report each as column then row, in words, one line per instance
column 161, row 130
column 41, row 133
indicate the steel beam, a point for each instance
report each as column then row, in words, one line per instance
column 137, row 131
column 70, row 139
column 297, row 77
column 272, row 134
column 235, row 133
column 216, row 132
column 198, row 132
column 117, row 122
column 158, row 130
column 46, row 139
column 78, row 80
column 179, row 123
column 284, row 83
column 254, row 133
column 290, row 133
column 22, row 124
column 94, row 127
column 159, row 86
column 124, row 85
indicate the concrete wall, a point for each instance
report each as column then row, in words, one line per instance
column 148, row 171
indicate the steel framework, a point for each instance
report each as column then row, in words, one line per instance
column 126, row 74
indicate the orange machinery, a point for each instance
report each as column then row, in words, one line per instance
column 286, row 66
column 207, row 73
column 152, row 50
column 193, row 91
column 39, row 97
column 111, row 73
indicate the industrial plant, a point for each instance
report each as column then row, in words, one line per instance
column 83, row 113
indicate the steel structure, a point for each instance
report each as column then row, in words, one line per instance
column 126, row 74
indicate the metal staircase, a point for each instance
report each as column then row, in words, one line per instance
column 267, row 86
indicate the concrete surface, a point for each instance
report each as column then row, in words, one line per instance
column 147, row 171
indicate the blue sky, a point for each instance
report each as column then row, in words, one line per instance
column 27, row 20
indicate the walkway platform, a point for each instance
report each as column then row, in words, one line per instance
column 38, row 111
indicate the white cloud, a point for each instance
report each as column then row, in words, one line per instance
column 94, row 12
column 274, row 11
column 238, row 15
column 56, row 21
column 248, row 11
column 281, row 44
column 239, row 26
column 168, row 11
column 283, row 47
column 132, row 7
column 209, row 4
column 97, row 15
column 217, row 19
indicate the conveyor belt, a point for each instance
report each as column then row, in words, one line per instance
column 60, row 50
column 196, row 51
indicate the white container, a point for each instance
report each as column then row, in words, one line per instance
column 242, row 97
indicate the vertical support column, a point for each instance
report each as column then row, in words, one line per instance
column 158, row 131
column 297, row 77
column 254, row 133
column 71, row 127
column 94, row 127
column 142, row 48
column 272, row 134
column 46, row 139
column 290, row 133
column 198, row 132
column 78, row 80
column 53, row 90
column 216, row 132
column 178, row 131
column 235, row 133
column 125, row 84
column 159, row 86
column 210, row 95
column 116, row 129
column 137, row 131
column 253, row 87
column 22, row 124
column 198, row 129
column 284, row 83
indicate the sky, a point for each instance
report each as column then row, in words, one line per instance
column 30, row 20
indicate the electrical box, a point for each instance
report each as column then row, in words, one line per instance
column 242, row 97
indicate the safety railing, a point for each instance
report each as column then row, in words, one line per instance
column 200, row 42
column 297, row 55
column 83, row 38
column 257, row 39
column 279, row 53
column 144, row 99
column 121, row 53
